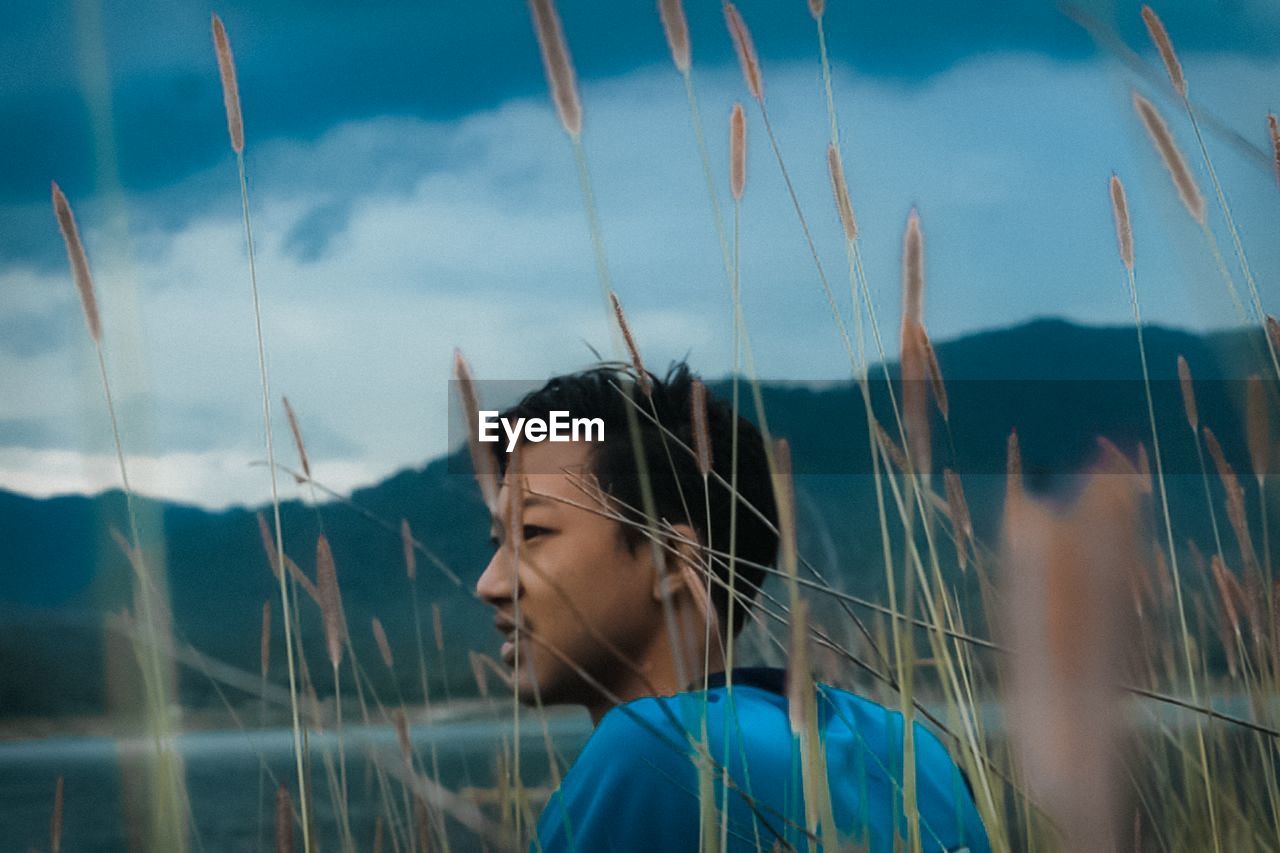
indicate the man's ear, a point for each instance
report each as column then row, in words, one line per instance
column 684, row 570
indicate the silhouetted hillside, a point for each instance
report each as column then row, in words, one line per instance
column 1058, row 385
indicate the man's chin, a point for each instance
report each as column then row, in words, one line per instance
column 534, row 688
column 529, row 691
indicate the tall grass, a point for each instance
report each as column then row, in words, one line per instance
column 1124, row 232
column 235, row 130
column 167, row 799
column 1072, row 590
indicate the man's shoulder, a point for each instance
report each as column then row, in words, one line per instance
column 677, row 720
column 643, row 760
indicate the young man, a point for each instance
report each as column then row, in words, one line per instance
column 602, row 609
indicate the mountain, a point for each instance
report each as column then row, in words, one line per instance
column 1058, row 385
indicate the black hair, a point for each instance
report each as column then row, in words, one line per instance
column 602, row 392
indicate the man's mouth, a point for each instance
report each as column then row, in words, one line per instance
column 508, row 629
column 509, row 651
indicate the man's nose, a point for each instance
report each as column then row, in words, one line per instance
column 497, row 582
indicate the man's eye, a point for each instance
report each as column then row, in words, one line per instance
column 532, row 530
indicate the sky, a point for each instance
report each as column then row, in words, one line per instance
column 411, row 191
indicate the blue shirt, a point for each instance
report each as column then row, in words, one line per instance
column 635, row 785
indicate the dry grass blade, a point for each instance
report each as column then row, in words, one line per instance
column 912, row 271
column 558, row 65
column 230, row 90
column 410, row 555
column 477, row 673
column 1274, row 127
column 802, row 708
column 936, row 384
column 268, row 545
column 421, row 823
column 273, row 562
column 784, row 489
column 1273, row 331
column 1163, row 577
column 746, row 51
column 1120, row 211
column 1144, row 470
column 1252, row 598
column 297, row 437
column 265, row 648
column 480, row 664
column 642, row 375
column 701, row 435
column 1188, row 191
column 1115, row 458
column 313, row 699
column 1258, row 427
column 737, row 152
column 284, row 820
column 131, row 553
column 1188, row 394
column 1117, row 462
column 961, row 522
column 1235, row 499
column 841, row 190
column 1161, row 38
column 55, row 821
column 482, row 461
column 437, row 627
column 384, row 648
column 677, row 30
column 79, row 262
column 1012, row 470
column 402, row 735
column 330, row 600
column 891, row 447
column 915, row 402
column 1224, row 581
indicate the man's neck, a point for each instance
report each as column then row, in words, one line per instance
column 656, row 672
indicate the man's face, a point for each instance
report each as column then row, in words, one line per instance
column 574, row 589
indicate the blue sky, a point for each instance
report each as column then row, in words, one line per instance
column 412, row 192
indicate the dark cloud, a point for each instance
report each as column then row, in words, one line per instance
column 310, row 237
column 306, row 67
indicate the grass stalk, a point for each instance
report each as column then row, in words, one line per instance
column 169, row 803
column 1120, row 207
column 235, row 129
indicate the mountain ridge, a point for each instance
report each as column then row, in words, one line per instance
column 59, row 568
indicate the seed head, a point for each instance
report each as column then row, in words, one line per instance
column 677, row 30
column 79, row 262
column 746, row 51
column 558, row 65
column 230, row 90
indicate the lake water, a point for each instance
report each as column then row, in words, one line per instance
column 223, row 770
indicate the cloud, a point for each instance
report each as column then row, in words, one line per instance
column 384, row 243
column 215, row 480
column 143, row 74
column 310, row 237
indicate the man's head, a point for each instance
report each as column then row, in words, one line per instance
column 588, row 585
